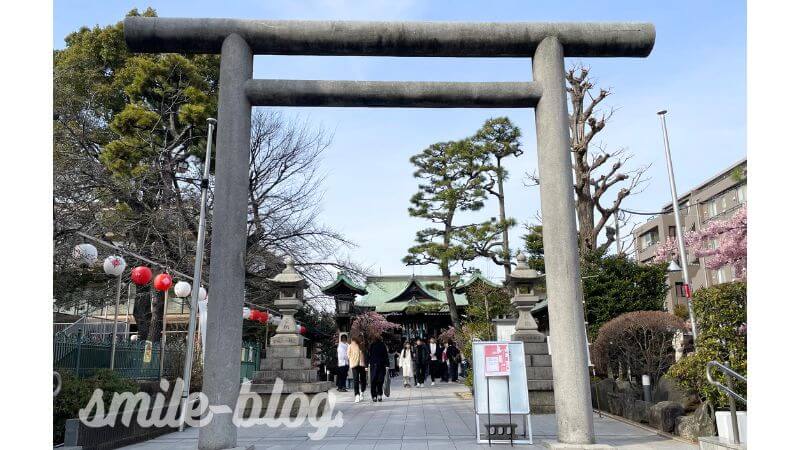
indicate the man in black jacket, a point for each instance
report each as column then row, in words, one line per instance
column 378, row 359
column 422, row 357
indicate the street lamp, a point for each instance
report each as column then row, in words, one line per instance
column 678, row 228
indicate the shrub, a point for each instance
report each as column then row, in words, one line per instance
column 615, row 285
column 76, row 392
column 721, row 315
column 640, row 341
column 681, row 311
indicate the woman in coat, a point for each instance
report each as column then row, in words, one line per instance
column 355, row 356
column 406, row 361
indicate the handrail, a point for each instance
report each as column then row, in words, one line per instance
column 726, row 388
column 722, row 387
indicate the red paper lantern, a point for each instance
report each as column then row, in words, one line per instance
column 162, row 282
column 141, row 275
column 302, row 329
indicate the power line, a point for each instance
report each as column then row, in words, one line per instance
column 645, row 213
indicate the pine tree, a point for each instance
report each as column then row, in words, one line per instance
column 454, row 178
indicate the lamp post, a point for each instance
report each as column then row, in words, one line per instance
column 115, row 266
column 678, row 227
column 198, row 270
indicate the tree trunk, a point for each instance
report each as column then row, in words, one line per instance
column 587, row 241
column 501, row 198
column 142, row 311
column 158, row 316
column 448, row 287
column 451, row 299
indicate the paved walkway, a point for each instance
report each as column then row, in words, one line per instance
column 433, row 417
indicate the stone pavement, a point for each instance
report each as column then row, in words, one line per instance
column 433, row 417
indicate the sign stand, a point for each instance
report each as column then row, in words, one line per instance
column 496, row 360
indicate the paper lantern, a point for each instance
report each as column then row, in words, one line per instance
column 245, row 312
column 85, row 254
column 182, row 289
column 274, row 320
column 134, row 337
column 302, row 330
column 203, row 295
column 114, row 265
column 162, row 282
column 141, row 275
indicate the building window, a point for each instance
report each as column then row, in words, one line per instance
column 741, row 193
column 711, row 209
column 649, row 238
column 680, row 290
column 722, row 275
column 671, row 231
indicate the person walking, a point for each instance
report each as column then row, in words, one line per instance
column 435, row 356
column 343, row 364
column 450, row 361
column 422, row 361
column 378, row 358
column 355, row 356
column 406, row 361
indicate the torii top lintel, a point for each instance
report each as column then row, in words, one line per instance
column 351, row 38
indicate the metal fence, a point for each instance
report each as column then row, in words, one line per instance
column 84, row 356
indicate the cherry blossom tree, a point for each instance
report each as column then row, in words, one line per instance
column 370, row 326
column 721, row 242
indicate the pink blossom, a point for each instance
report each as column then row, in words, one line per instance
column 731, row 244
column 370, row 326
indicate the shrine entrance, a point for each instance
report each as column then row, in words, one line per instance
column 546, row 43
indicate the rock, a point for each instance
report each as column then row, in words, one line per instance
column 636, row 410
column 616, row 404
column 663, row 415
column 699, row 423
column 600, row 391
column 668, row 390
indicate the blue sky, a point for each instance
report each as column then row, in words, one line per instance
column 696, row 71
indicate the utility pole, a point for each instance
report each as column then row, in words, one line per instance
column 678, row 226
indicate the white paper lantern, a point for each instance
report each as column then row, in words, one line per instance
column 134, row 337
column 85, row 254
column 274, row 320
column 245, row 312
column 203, row 295
column 114, row 265
column 182, row 289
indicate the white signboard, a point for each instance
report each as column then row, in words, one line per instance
column 501, row 385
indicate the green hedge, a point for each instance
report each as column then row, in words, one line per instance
column 721, row 315
column 76, row 392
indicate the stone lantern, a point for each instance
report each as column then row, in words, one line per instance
column 526, row 285
column 528, row 289
column 290, row 286
column 286, row 356
column 344, row 291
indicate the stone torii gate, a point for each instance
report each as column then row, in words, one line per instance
column 546, row 43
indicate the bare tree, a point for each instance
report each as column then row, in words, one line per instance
column 597, row 173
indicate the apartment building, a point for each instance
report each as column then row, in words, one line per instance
column 715, row 199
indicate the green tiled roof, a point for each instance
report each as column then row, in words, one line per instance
column 345, row 282
column 462, row 286
column 385, row 293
